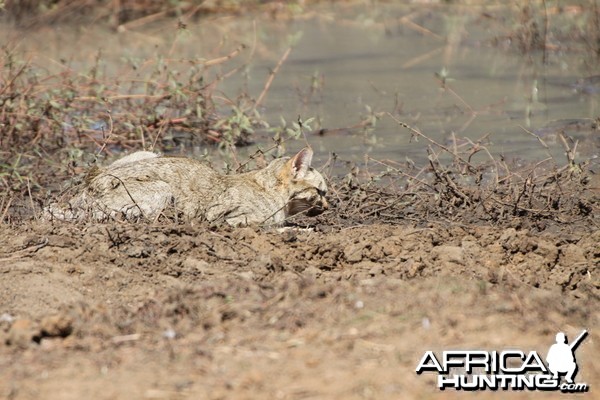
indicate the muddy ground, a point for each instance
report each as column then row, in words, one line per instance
column 168, row 311
column 457, row 253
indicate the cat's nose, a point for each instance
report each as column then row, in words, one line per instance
column 318, row 208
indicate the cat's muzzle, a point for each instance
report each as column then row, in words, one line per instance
column 317, row 209
column 312, row 209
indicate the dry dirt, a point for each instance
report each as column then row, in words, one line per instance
column 446, row 257
column 127, row 311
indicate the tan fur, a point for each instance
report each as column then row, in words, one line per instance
column 144, row 185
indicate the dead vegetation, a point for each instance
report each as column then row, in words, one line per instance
column 49, row 121
column 453, row 188
column 124, row 14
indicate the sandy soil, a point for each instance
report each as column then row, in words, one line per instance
column 116, row 311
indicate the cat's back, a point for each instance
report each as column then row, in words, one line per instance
column 143, row 166
column 147, row 183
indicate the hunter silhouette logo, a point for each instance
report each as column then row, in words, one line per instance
column 561, row 357
column 507, row 369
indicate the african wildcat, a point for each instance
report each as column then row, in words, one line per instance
column 144, row 184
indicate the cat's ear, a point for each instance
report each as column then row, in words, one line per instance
column 300, row 163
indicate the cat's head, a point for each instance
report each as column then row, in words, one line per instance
column 305, row 186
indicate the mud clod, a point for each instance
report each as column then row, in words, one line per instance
column 23, row 333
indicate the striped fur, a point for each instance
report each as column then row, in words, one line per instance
column 144, row 185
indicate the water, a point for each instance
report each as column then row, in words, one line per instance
column 363, row 62
column 491, row 92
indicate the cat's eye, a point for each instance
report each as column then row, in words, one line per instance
column 301, row 192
